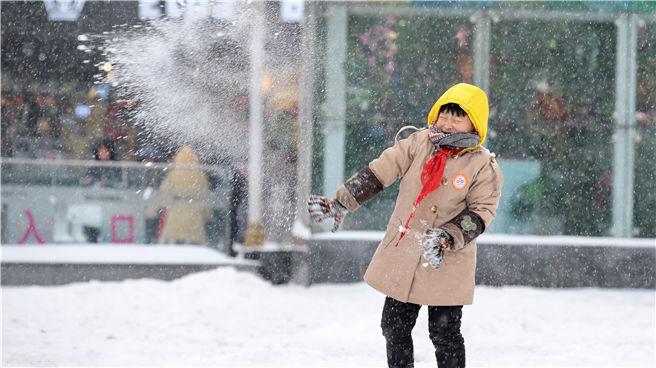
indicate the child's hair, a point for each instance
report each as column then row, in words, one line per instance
column 452, row 108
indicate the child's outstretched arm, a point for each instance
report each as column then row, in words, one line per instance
column 379, row 174
column 366, row 183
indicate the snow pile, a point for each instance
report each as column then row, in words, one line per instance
column 225, row 317
column 118, row 254
column 508, row 239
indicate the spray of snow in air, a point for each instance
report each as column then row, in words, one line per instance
column 184, row 77
column 187, row 82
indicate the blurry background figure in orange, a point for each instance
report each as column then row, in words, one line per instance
column 185, row 223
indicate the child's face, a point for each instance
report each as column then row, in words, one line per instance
column 451, row 123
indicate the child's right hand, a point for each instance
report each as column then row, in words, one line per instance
column 321, row 208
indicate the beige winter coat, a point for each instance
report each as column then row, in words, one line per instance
column 185, row 223
column 472, row 180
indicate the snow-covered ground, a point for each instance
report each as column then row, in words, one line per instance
column 225, row 317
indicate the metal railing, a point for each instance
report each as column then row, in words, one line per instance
column 69, row 172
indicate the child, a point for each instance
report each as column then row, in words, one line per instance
column 448, row 195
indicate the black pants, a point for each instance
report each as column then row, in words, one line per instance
column 92, row 233
column 443, row 328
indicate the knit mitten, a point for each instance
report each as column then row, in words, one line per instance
column 321, row 208
column 435, row 242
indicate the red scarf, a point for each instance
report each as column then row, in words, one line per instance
column 431, row 176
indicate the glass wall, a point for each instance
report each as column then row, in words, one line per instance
column 73, row 167
column 644, row 221
column 69, row 202
column 552, row 100
column 63, row 103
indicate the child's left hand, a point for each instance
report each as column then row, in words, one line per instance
column 436, row 242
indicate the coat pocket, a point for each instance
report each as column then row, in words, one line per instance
column 386, row 243
column 391, row 235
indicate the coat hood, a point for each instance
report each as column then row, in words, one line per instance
column 186, row 180
column 186, row 155
column 471, row 99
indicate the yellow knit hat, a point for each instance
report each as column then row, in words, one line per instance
column 471, row 99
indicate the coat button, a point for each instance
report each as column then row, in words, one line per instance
column 444, row 181
column 434, row 209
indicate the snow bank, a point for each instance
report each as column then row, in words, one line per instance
column 118, row 254
column 507, row 239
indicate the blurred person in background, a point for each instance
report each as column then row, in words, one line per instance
column 100, row 177
column 281, row 144
column 47, row 143
column 185, row 223
column 103, row 176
